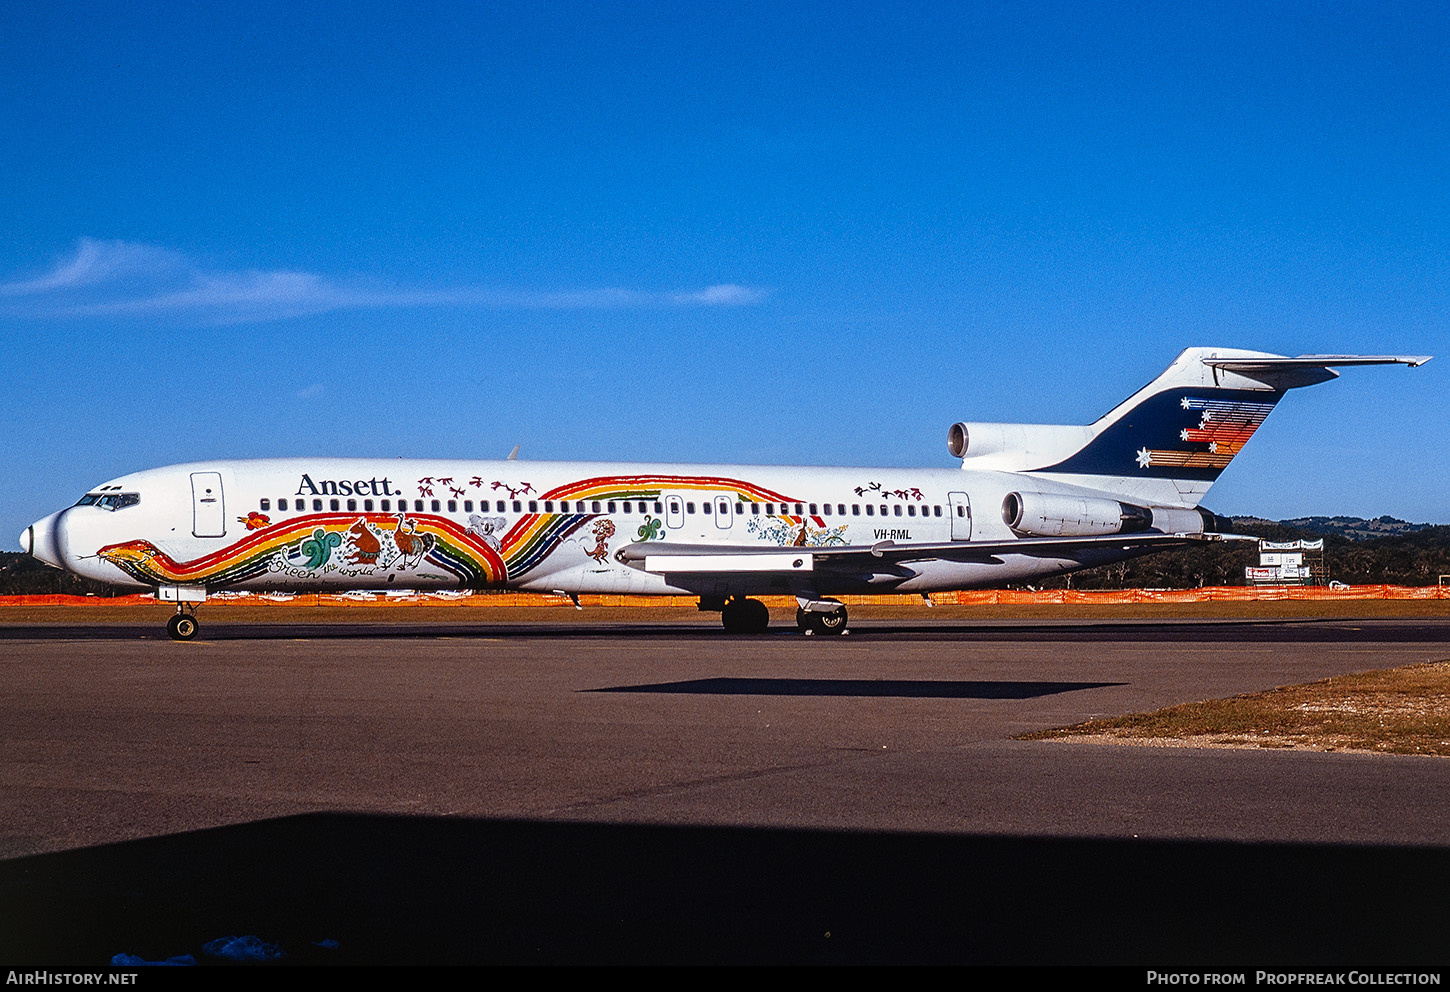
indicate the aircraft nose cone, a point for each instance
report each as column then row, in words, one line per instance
column 39, row 540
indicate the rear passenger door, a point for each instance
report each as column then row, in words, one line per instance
column 960, row 508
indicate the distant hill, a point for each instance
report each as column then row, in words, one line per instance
column 1351, row 528
column 1356, row 551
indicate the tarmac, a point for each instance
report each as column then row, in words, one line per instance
column 625, row 792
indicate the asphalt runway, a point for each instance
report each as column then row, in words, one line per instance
column 600, row 792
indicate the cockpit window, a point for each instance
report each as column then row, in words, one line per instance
column 110, row 501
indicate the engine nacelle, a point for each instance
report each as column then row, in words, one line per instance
column 1057, row 515
column 1015, row 447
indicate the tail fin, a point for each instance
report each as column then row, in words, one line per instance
column 1168, row 442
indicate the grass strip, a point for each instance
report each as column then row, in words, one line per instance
column 1391, row 711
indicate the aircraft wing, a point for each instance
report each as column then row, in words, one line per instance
column 670, row 558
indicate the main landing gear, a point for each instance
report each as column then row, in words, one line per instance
column 816, row 622
column 745, row 616
column 183, row 626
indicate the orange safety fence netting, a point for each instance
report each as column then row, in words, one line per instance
column 966, row 597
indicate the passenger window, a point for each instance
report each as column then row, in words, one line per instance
column 468, row 506
column 387, row 505
column 855, row 509
column 417, row 506
column 518, row 506
column 705, row 507
column 897, row 509
column 533, row 506
column 266, row 504
column 770, row 509
column 813, row 509
column 739, row 509
column 453, row 506
column 500, row 506
column 755, row 508
column 627, row 505
column 334, row 505
column 659, row 507
column 596, row 506
column 548, row 506
column 612, row 505
column 827, row 509
column 282, row 504
column 910, row 510
column 870, row 510
column 352, row 506
column 689, row 507
column 317, row 506
column 437, row 506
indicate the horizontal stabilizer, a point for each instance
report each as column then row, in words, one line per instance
column 1313, row 362
column 1280, row 372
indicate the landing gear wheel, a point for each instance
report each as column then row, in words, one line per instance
column 745, row 616
column 833, row 622
column 811, row 622
column 182, row 627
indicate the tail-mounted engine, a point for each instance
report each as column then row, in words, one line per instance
column 1056, row 515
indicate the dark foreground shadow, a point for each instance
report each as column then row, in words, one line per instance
column 373, row 889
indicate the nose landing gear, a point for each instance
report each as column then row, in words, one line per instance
column 183, row 626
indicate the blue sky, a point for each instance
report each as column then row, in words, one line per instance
column 776, row 232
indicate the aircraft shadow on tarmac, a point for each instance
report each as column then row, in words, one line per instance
column 886, row 688
column 361, row 889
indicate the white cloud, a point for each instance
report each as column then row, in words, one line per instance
column 727, row 295
column 121, row 277
column 97, row 263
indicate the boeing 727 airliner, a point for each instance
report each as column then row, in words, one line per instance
column 1029, row 501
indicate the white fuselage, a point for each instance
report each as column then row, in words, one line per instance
column 336, row 524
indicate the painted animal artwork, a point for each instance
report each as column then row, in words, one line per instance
column 412, row 546
column 488, row 529
column 603, row 531
column 364, row 544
